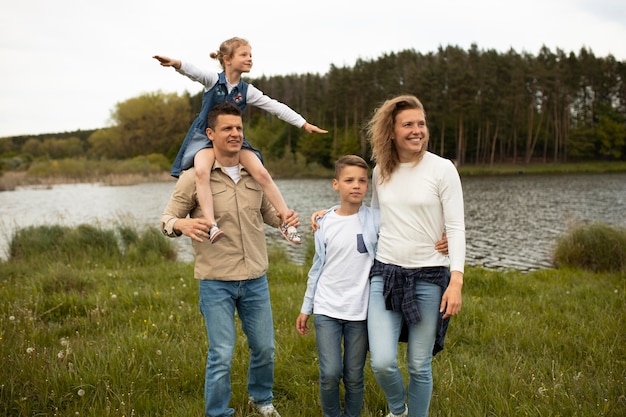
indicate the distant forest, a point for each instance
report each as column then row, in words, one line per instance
column 482, row 106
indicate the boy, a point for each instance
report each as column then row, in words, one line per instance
column 338, row 288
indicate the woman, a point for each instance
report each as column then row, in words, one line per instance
column 419, row 196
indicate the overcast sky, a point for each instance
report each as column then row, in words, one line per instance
column 64, row 64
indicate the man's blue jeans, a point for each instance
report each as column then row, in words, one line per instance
column 384, row 328
column 329, row 333
column 218, row 302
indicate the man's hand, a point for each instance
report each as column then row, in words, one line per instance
column 292, row 218
column 301, row 325
column 197, row 229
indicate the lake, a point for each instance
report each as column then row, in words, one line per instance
column 512, row 222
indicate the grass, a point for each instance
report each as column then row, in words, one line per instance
column 111, row 335
column 590, row 167
column 594, row 247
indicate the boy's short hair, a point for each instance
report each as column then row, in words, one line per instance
column 219, row 109
column 349, row 161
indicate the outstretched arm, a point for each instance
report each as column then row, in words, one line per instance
column 311, row 128
column 168, row 62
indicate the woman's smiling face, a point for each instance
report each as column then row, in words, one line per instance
column 410, row 134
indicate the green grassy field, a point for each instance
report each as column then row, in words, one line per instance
column 117, row 332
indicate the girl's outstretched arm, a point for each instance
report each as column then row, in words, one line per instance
column 168, row 62
column 311, row 128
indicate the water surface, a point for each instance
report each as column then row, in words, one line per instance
column 511, row 222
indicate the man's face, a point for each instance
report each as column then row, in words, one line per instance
column 227, row 136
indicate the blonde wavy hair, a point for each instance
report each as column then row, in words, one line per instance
column 380, row 130
column 227, row 48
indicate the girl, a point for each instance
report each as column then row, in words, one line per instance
column 235, row 58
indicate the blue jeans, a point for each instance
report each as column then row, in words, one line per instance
column 218, row 302
column 329, row 332
column 384, row 328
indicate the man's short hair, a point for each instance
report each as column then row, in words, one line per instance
column 219, row 109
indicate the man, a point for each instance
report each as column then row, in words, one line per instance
column 232, row 274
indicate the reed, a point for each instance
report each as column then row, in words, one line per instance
column 594, row 247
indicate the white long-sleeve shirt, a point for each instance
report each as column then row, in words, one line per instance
column 417, row 204
column 254, row 97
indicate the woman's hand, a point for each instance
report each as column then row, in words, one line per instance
column 452, row 299
column 317, row 215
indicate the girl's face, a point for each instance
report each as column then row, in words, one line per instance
column 410, row 134
column 241, row 61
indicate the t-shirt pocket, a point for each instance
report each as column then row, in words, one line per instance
column 360, row 243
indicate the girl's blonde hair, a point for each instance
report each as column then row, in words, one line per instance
column 380, row 132
column 227, row 48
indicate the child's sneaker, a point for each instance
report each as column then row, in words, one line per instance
column 215, row 234
column 290, row 233
column 265, row 410
column 403, row 414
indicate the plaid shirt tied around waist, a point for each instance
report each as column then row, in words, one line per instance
column 399, row 293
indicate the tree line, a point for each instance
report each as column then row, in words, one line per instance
column 482, row 106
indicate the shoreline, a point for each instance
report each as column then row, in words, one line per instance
column 10, row 180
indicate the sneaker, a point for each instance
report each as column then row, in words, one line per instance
column 215, row 234
column 290, row 233
column 405, row 413
column 265, row 410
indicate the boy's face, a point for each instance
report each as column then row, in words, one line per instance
column 351, row 184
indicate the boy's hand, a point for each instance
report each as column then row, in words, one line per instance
column 442, row 245
column 301, row 325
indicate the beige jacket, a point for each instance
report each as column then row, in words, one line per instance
column 240, row 209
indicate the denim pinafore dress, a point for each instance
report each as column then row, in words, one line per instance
column 196, row 138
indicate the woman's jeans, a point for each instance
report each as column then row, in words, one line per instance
column 218, row 302
column 384, row 330
column 329, row 333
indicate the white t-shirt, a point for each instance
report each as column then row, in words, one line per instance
column 343, row 288
column 417, row 204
